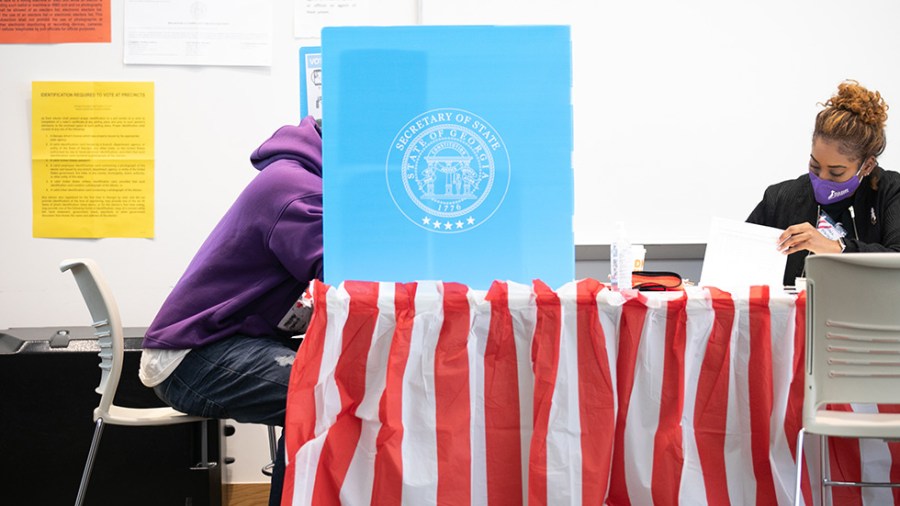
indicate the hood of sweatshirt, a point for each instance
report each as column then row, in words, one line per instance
column 302, row 143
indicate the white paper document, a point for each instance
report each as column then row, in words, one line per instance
column 739, row 255
column 310, row 16
column 220, row 32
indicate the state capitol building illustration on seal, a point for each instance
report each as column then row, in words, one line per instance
column 448, row 170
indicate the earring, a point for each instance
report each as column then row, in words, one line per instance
column 865, row 170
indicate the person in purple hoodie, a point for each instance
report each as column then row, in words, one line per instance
column 215, row 348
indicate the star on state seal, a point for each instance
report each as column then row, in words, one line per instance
column 448, row 170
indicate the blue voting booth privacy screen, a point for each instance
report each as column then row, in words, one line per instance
column 447, row 154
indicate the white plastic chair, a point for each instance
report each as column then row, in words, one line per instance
column 110, row 338
column 852, row 352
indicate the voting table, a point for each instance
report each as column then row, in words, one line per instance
column 433, row 393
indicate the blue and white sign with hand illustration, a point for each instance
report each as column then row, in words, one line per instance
column 311, row 82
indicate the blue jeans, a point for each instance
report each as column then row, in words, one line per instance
column 242, row 378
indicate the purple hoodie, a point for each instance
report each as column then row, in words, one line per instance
column 260, row 257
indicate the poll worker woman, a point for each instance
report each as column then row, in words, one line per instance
column 221, row 344
column 846, row 202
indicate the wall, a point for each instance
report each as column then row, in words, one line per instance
column 687, row 110
column 208, row 121
column 682, row 110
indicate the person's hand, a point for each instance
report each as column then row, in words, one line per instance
column 804, row 236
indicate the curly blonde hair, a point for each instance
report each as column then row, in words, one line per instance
column 855, row 118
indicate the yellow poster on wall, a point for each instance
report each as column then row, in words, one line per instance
column 92, row 159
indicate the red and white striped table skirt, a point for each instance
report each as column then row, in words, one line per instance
column 432, row 393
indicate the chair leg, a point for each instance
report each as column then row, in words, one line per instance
column 89, row 465
column 823, row 457
column 799, row 480
column 267, row 469
column 204, row 463
column 272, row 442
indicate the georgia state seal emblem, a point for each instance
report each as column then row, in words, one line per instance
column 448, row 170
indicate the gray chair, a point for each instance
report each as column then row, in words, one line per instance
column 852, row 352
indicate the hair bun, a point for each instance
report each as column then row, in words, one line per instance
column 867, row 105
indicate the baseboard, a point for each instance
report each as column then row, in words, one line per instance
column 246, row 494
